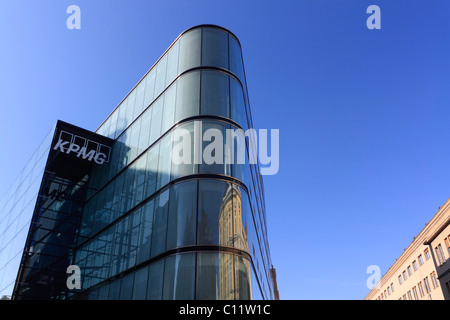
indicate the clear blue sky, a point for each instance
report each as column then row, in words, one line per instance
column 363, row 114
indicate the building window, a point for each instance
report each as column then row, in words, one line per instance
column 404, row 297
column 409, row 270
column 434, row 280
column 385, row 294
column 404, row 275
column 416, row 297
column 427, row 254
column 440, row 254
column 420, row 260
column 447, row 244
column 415, row 265
column 400, row 280
column 422, row 293
column 409, row 295
column 389, row 290
column 392, row 287
column 427, row 285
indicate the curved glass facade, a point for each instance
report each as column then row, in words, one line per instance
column 148, row 227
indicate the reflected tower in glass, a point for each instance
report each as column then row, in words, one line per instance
column 148, row 228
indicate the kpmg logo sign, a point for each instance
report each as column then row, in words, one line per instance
column 83, row 148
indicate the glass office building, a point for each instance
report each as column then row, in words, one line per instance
column 137, row 224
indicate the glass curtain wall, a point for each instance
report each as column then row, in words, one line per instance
column 152, row 229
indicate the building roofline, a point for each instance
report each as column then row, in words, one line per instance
column 418, row 240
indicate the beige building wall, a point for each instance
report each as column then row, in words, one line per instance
column 420, row 273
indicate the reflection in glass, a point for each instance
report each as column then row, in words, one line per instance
column 152, row 170
column 126, row 288
column 140, row 284
column 179, row 277
column 155, row 280
column 215, row 205
column 182, row 215
column 145, row 236
column 215, row 276
column 242, row 278
column 160, row 223
column 165, row 160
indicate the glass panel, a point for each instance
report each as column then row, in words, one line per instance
column 145, row 130
column 122, row 119
column 122, row 157
column 256, row 291
column 130, row 107
column 145, row 236
column 134, row 140
column 126, row 289
column 140, row 284
column 105, row 127
column 243, row 217
column 215, row 213
column 127, row 192
column 149, row 88
column 215, row 94
column 215, row 276
column 237, row 104
column 172, row 63
column 243, row 278
column 155, row 281
column 165, row 161
column 179, row 277
column 236, row 65
column 155, row 128
column 139, row 179
column 190, row 46
column 140, row 92
column 182, row 215
column 103, row 293
column 113, row 125
column 160, row 76
column 215, row 48
column 152, row 170
column 160, row 223
column 114, row 290
column 169, row 108
column 134, row 236
column 188, row 96
column 183, row 148
column 214, row 148
column 117, row 206
column 122, row 245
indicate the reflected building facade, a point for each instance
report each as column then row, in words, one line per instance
column 140, row 226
